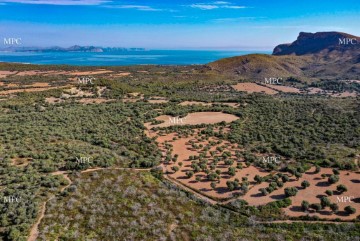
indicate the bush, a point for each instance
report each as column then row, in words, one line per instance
column 285, row 178
column 305, row 184
column 329, row 192
column 263, row 191
column 290, row 191
column 349, row 210
column 232, row 171
column 258, row 179
column 175, row 168
column 333, row 179
column 189, row 174
column 334, row 207
column 341, row 188
column 325, row 202
column 316, row 206
column 305, row 205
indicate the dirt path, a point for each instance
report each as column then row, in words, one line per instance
column 34, row 232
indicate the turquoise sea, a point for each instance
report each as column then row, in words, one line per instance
column 155, row 57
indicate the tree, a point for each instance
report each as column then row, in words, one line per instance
column 285, row 178
column 198, row 178
column 175, row 168
column 316, row 206
column 290, row 191
column 329, row 192
column 350, row 210
column 333, row 179
column 244, row 187
column 336, row 171
column 263, row 191
column 279, row 183
column 273, row 185
column 232, row 171
column 305, row 205
column 180, row 164
column 269, row 189
column 317, row 169
column 230, row 185
column 189, row 174
column 305, row 184
column 258, row 179
column 341, row 188
column 213, row 185
column 297, row 175
column 212, row 176
column 334, row 207
column 325, row 202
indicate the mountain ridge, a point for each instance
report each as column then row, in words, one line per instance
column 74, row 48
column 312, row 43
column 310, row 57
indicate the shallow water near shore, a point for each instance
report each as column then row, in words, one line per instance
column 155, row 57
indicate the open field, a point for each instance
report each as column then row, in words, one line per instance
column 194, row 119
column 284, row 88
column 254, row 88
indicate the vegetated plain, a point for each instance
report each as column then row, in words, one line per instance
column 176, row 152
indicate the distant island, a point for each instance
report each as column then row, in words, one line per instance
column 75, row 48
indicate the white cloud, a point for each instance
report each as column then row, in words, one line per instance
column 136, row 7
column 221, row 2
column 216, row 5
column 234, row 7
column 204, row 6
column 57, row 2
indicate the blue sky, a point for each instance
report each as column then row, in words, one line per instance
column 233, row 24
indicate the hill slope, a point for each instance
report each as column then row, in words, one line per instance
column 311, row 56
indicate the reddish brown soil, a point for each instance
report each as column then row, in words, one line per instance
column 183, row 149
column 121, row 74
column 252, row 88
column 317, row 188
column 283, row 88
column 20, row 162
column 345, row 94
column 7, row 92
column 53, row 100
column 80, row 73
column 185, row 103
column 5, row 73
column 314, row 90
column 158, row 101
column 181, row 146
column 93, row 100
column 194, row 119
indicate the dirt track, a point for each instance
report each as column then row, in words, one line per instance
column 34, row 232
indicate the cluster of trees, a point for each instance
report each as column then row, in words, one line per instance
column 336, row 86
column 55, row 138
column 325, row 202
column 296, row 128
column 275, row 182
